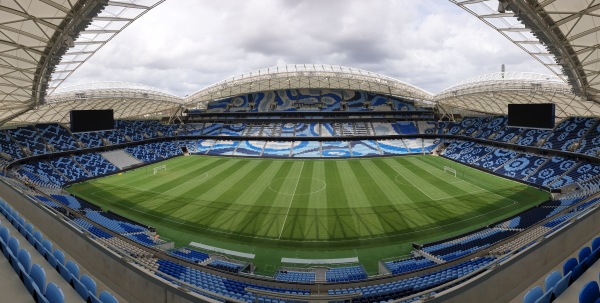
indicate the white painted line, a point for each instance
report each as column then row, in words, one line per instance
column 291, row 200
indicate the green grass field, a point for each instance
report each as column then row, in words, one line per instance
column 371, row 208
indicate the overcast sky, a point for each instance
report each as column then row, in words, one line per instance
column 182, row 46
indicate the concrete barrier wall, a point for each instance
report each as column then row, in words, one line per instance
column 509, row 280
column 129, row 282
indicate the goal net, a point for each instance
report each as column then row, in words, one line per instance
column 159, row 168
column 449, row 170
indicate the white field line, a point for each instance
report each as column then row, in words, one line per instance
column 400, row 174
column 483, row 189
column 291, row 200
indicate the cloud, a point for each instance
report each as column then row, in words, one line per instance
column 185, row 45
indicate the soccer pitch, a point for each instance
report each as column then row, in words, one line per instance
column 372, row 208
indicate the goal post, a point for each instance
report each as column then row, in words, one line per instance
column 159, row 168
column 450, row 170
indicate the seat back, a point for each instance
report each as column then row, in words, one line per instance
column 106, row 297
column 29, row 228
column 589, row 293
column 73, row 269
column 13, row 245
column 584, row 253
column 596, row 243
column 569, row 265
column 25, row 259
column 47, row 245
column 89, row 283
column 39, row 276
column 546, row 298
column 38, row 236
column 4, row 234
column 562, row 285
column 552, row 279
column 54, row 294
column 59, row 256
column 533, row 295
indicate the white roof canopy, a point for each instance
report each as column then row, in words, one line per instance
column 561, row 34
column 296, row 76
column 43, row 41
column 492, row 93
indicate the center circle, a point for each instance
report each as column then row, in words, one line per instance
column 297, row 186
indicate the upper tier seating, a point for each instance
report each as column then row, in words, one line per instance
column 568, row 132
column 57, row 136
column 532, row 137
column 590, row 144
column 309, row 100
column 128, row 128
column 10, row 147
column 307, row 129
column 90, row 140
column 113, row 136
column 28, row 137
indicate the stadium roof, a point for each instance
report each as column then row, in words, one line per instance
column 492, row 93
column 128, row 100
column 561, row 34
column 295, row 76
column 43, row 41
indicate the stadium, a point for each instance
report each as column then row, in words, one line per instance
column 298, row 182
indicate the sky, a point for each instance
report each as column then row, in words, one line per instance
column 182, row 46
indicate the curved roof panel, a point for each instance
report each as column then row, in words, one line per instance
column 128, row 100
column 43, row 42
column 492, row 93
column 313, row 76
column 561, row 34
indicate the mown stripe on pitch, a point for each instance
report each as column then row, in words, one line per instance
column 407, row 192
column 256, row 199
column 319, row 204
column 295, row 225
column 369, row 222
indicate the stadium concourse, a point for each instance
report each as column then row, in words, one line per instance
column 413, row 196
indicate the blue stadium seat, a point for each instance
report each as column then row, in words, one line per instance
column 89, row 284
column 552, row 279
column 562, row 285
column 569, row 265
column 106, row 297
column 54, row 294
column 59, row 256
column 533, row 295
column 584, row 253
column 38, row 275
column 73, row 271
column 24, row 261
column 589, row 293
column 596, row 243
